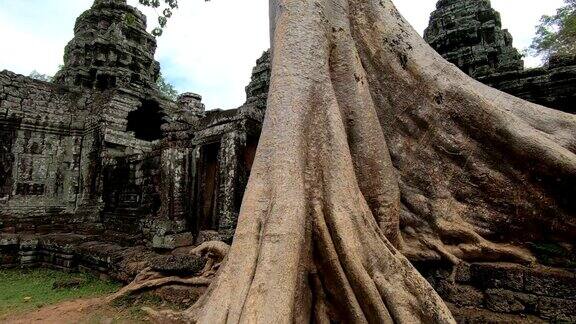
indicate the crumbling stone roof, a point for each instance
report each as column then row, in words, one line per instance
column 469, row 34
column 110, row 49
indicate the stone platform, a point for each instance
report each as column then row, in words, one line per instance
column 475, row 292
column 506, row 293
column 74, row 252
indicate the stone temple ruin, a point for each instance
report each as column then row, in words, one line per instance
column 99, row 172
column 469, row 34
column 101, row 153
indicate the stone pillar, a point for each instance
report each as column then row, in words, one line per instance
column 192, row 102
column 173, row 168
column 7, row 139
column 170, row 229
column 230, row 191
column 90, row 200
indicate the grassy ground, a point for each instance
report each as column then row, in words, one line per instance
column 26, row 290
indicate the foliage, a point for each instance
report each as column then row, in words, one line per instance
column 167, row 8
column 24, row 290
column 39, row 76
column 167, row 11
column 166, row 88
column 556, row 35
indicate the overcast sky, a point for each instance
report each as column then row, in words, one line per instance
column 209, row 47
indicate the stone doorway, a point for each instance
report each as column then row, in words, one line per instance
column 207, row 185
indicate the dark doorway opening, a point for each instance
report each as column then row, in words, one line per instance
column 207, row 188
column 146, row 122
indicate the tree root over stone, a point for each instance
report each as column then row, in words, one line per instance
column 374, row 146
column 150, row 279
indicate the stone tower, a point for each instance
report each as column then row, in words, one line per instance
column 469, row 34
column 110, row 49
column 257, row 90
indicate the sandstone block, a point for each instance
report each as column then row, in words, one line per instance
column 498, row 275
column 178, row 264
column 172, row 241
column 460, row 295
column 505, row 301
column 556, row 309
column 553, row 283
column 207, row 236
column 463, row 273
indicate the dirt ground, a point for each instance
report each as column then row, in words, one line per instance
column 92, row 311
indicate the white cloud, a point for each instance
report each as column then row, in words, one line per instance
column 209, row 47
column 33, row 33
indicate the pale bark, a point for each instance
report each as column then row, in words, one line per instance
column 369, row 130
column 481, row 172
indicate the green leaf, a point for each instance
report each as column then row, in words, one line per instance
column 556, row 35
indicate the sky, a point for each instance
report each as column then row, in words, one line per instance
column 209, row 47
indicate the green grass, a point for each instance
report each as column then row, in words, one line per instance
column 25, row 290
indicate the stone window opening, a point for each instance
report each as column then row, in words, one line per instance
column 105, row 82
column 146, row 121
column 134, row 78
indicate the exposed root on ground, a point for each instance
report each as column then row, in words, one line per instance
column 148, row 279
column 368, row 131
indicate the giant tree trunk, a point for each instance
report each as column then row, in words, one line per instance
column 369, row 130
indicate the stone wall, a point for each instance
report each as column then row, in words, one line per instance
column 73, row 252
column 59, row 144
column 505, row 293
column 552, row 85
column 100, row 151
column 42, row 135
column 132, row 192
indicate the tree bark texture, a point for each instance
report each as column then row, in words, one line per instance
column 369, row 133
